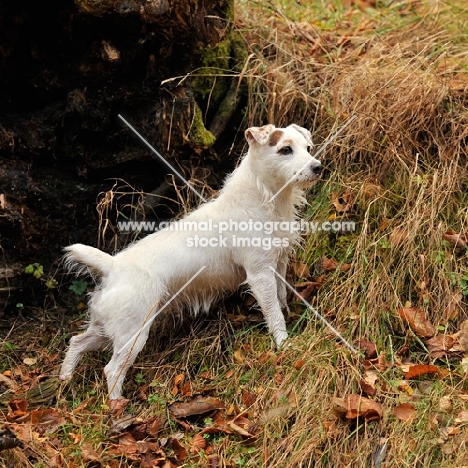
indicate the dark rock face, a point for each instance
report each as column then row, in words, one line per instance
column 67, row 70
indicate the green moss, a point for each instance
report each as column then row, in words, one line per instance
column 229, row 55
column 215, row 62
column 199, row 135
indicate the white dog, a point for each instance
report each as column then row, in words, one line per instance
column 190, row 268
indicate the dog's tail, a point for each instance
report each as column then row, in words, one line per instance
column 83, row 258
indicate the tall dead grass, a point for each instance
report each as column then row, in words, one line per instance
column 404, row 155
column 402, row 161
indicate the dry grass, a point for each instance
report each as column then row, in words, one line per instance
column 402, row 161
column 400, row 69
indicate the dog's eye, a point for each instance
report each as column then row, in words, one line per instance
column 285, row 150
column 309, row 149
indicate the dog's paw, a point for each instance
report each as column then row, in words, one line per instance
column 65, row 376
column 280, row 337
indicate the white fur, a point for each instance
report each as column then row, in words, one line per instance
column 137, row 282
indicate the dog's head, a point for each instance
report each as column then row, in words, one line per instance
column 284, row 153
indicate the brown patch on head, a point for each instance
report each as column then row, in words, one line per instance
column 287, row 143
column 275, row 137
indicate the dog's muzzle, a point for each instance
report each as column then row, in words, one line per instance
column 316, row 169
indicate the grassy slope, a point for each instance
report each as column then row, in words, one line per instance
column 401, row 166
column 401, row 70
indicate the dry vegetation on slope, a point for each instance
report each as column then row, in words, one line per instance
column 396, row 288
column 399, row 171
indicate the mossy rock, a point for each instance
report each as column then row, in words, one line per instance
column 199, row 135
column 211, row 83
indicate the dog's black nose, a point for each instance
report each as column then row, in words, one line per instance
column 316, row 168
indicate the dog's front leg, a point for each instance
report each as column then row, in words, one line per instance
column 280, row 282
column 264, row 288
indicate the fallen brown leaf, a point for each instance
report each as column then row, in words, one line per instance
column 405, row 412
column 367, row 384
column 195, row 406
column 46, row 419
column 420, row 369
column 206, row 375
column 307, row 288
column 156, row 424
column 17, row 411
column 445, row 404
column 329, row 264
column 217, row 429
column 301, row 270
column 453, row 309
column 141, row 429
column 359, row 406
column 7, row 382
column 178, row 380
column 126, row 445
column 186, row 389
column 179, row 450
column 248, row 398
column 378, row 363
column 368, row 347
column 299, row 364
column 462, row 417
column 384, row 223
column 278, row 378
column 339, row 407
column 30, row 361
column 267, row 357
column 84, row 405
column 199, row 443
column 439, row 346
column 367, row 389
column 458, row 239
column 417, row 321
column 88, row 454
column 239, row 356
column 168, row 464
column 450, row 431
column 362, row 5
column 461, row 337
column 109, row 52
column 346, row 267
column 118, row 406
column 214, row 461
column 240, row 430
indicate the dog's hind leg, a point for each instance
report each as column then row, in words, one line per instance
column 264, row 287
column 92, row 339
column 124, row 355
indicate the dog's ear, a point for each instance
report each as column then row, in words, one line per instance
column 260, row 135
column 307, row 135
